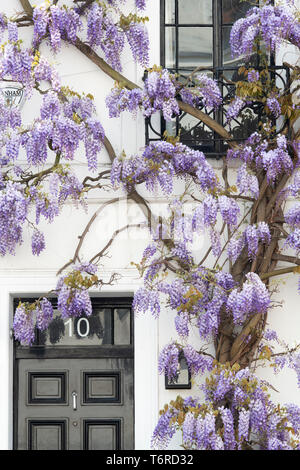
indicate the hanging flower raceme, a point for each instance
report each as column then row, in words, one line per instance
column 274, row 106
column 160, row 94
column 249, row 419
column 104, row 31
column 169, row 360
column 37, row 242
column 197, row 297
column 160, row 91
column 247, row 182
column 61, row 22
column 205, row 92
column 292, row 217
column 250, row 238
column 274, row 161
column 73, row 298
column 138, row 40
column 146, row 300
column 13, row 213
column 234, row 108
column 72, row 301
column 29, row 316
column 255, row 234
column 16, row 64
column 251, row 299
column 229, row 210
column 63, row 124
column 159, row 163
column 271, row 23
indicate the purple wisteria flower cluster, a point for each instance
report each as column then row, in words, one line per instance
column 15, row 206
column 250, row 238
column 195, row 298
column 159, row 163
column 205, row 92
column 271, row 23
column 168, row 363
column 253, row 298
column 13, row 213
column 105, row 32
column 63, row 123
column 158, row 95
column 251, row 417
column 59, row 23
column 66, row 120
column 161, row 92
column 234, row 109
column 73, row 298
column 28, row 317
column 275, row 161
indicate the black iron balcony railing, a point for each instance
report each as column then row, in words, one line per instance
column 197, row 135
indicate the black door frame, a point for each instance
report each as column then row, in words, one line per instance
column 63, row 352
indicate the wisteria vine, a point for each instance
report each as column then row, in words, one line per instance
column 225, row 296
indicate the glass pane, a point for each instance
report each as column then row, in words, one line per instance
column 195, row 47
column 182, row 378
column 121, row 326
column 170, row 48
column 195, row 11
column 227, row 58
column 82, row 331
column 235, row 9
column 170, row 11
column 171, row 127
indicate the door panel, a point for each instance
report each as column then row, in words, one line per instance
column 75, row 404
column 47, row 387
column 47, row 435
column 102, row 434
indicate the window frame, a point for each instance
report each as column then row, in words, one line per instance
column 214, row 146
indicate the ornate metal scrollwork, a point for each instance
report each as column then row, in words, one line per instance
column 196, row 135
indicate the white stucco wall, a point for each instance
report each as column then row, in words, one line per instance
column 25, row 274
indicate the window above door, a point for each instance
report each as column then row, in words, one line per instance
column 108, row 331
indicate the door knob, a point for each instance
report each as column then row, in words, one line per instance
column 74, row 400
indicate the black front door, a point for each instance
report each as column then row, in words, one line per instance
column 74, row 387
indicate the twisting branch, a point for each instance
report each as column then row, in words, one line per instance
column 102, row 252
column 279, row 272
column 86, row 230
column 27, row 7
column 41, row 174
column 288, row 259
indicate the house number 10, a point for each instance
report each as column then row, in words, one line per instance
column 78, row 327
